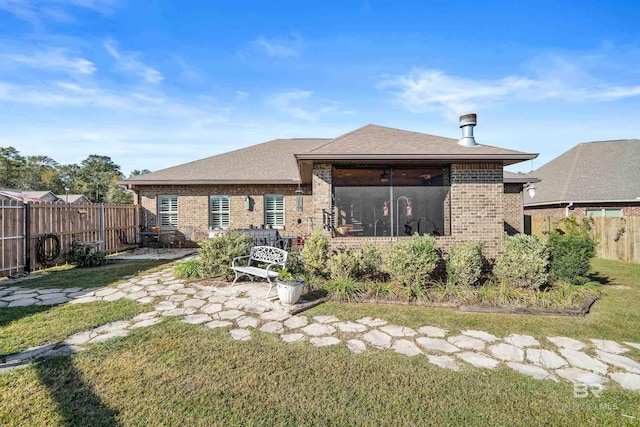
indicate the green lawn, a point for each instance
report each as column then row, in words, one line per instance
column 178, row 374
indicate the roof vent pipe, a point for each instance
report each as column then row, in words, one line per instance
column 467, row 122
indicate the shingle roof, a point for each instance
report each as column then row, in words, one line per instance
column 271, row 162
column 518, row 178
column 601, row 171
column 275, row 162
column 379, row 142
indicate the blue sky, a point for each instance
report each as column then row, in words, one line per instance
column 153, row 84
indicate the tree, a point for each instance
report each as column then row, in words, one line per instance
column 137, row 172
column 117, row 193
column 69, row 178
column 40, row 173
column 95, row 176
column 11, row 162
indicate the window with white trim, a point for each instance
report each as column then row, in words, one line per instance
column 168, row 212
column 219, row 212
column 604, row 212
column 274, row 210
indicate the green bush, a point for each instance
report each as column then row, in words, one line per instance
column 571, row 252
column 411, row 262
column 192, row 268
column 464, row 263
column 80, row 257
column 370, row 260
column 294, row 262
column 216, row 254
column 524, row 262
column 315, row 253
column 345, row 264
column 344, row 289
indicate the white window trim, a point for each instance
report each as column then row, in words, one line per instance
column 171, row 212
column 221, row 211
column 277, row 226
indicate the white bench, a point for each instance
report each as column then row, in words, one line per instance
column 275, row 259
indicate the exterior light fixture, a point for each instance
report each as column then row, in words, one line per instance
column 299, row 194
column 384, row 176
column 532, row 191
column 247, row 202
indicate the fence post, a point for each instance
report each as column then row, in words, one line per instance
column 136, row 223
column 102, row 232
column 26, row 220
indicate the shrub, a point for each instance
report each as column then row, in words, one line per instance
column 314, row 253
column 294, row 262
column 411, row 262
column 464, row 263
column 216, row 254
column 524, row 262
column 80, row 257
column 192, row 268
column 570, row 253
column 344, row 289
column 345, row 264
column 370, row 260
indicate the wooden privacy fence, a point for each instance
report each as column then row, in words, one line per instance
column 24, row 225
column 616, row 238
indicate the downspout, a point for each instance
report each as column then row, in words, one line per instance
column 567, row 209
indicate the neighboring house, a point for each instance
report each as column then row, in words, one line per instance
column 592, row 179
column 73, row 198
column 27, row 196
column 374, row 183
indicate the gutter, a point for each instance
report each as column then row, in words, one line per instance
column 129, row 184
column 562, row 202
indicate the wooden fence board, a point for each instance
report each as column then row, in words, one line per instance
column 617, row 238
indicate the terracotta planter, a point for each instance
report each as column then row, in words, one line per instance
column 289, row 292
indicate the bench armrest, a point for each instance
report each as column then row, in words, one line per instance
column 233, row 263
column 269, row 267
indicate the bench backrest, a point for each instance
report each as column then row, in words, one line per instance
column 268, row 254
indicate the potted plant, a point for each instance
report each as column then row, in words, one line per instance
column 289, row 287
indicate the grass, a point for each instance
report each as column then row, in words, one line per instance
column 24, row 327
column 615, row 316
column 178, row 374
column 111, row 273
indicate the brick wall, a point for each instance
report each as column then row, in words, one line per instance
column 193, row 205
column 321, row 183
column 513, row 215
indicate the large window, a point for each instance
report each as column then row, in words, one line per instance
column 219, row 212
column 274, row 210
column 168, row 212
column 604, row 212
column 392, row 201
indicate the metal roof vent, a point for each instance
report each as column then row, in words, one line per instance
column 467, row 122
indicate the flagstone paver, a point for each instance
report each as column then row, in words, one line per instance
column 377, row 338
column 446, row 362
column 436, row 344
column 356, row 346
column 432, row 331
column 545, row 358
column 619, row 361
column 242, row 307
column 609, row 346
column 533, row 371
column 406, row 347
column 467, row 343
column 479, row 360
column 521, row 340
column 507, row 352
column 485, row 336
column 568, row 343
column 627, row 381
column 584, row 361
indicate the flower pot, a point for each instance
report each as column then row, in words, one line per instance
column 289, row 292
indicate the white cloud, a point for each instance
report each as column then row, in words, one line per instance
column 128, row 61
column 279, row 48
column 52, row 60
column 291, row 103
column 36, row 12
column 572, row 80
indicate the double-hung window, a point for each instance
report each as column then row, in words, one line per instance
column 168, row 212
column 274, row 210
column 219, row 212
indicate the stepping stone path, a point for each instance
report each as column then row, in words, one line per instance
column 242, row 311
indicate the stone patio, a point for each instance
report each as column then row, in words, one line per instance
column 242, row 308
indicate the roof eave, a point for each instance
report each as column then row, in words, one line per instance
column 521, row 180
column 506, row 159
column 129, row 183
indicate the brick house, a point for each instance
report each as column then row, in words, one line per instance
column 374, row 183
column 591, row 179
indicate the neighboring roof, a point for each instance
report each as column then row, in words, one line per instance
column 518, row 178
column 21, row 195
column 602, row 171
column 73, row 198
column 276, row 162
column 373, row 142
column 271, row 162
column 44, row 195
